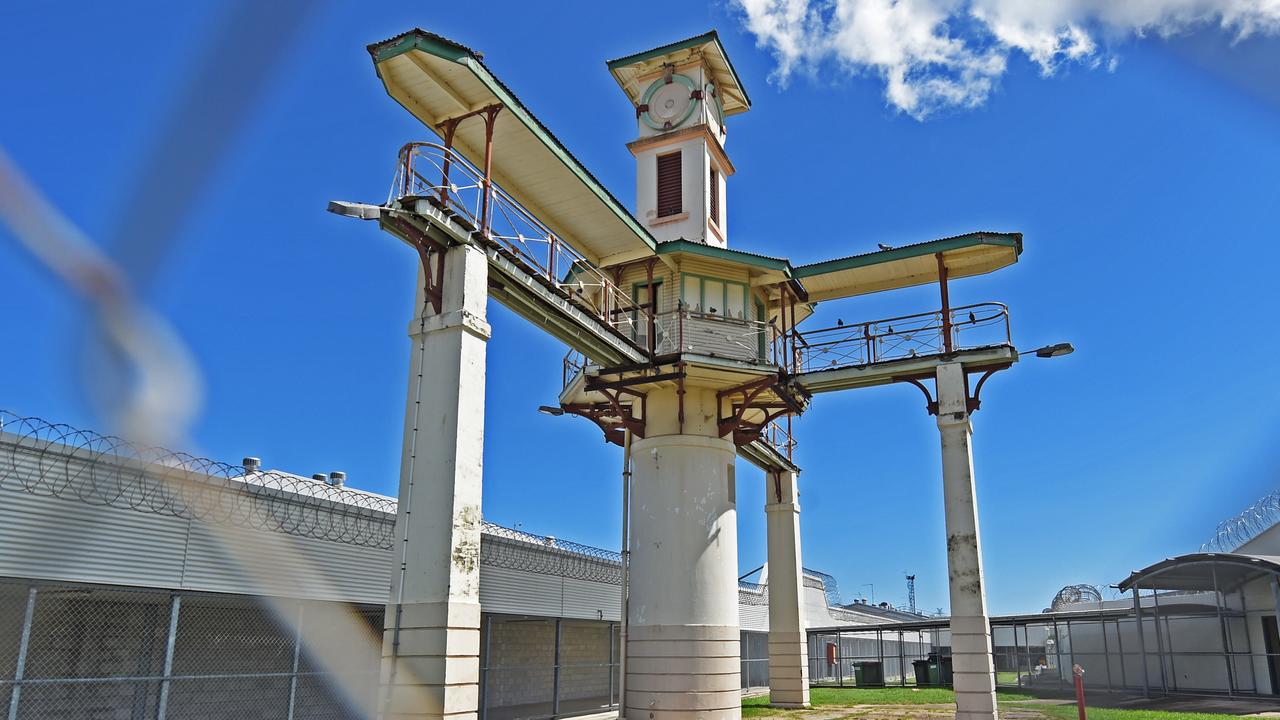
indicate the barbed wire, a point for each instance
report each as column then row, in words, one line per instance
column 1074, row 594
column 1249, row 524
column 58, row 460
column 829, row 585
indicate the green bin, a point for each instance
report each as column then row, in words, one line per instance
column 866, row 674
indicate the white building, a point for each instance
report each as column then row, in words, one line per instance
column 141, row 583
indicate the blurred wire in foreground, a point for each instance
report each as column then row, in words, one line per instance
column 162, row 393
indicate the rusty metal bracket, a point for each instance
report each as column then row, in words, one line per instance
column 745, row 432
column 431, row 253
column 614, row 417
column 929, row 403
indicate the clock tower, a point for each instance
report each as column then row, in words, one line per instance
column 682, row 93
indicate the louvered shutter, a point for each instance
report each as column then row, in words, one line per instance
column 669, row 202
column 715, row 197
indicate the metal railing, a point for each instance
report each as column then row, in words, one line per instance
column 778, row 436
column 908, row 336
column 439, row 174
column 685, row 331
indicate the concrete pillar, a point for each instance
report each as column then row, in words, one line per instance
column 431, row 643
column 683, row 651
column 788, row 642
column 972, row 665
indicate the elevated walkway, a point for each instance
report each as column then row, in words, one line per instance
column 903, row 349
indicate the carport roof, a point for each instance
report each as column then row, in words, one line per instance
column 1202, row 571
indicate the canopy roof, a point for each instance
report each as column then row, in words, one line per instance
column 629, row 70
column 436, row 79
column 1203, row 571
column 964, row 255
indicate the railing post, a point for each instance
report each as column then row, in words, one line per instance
column 406, row 167
column 449, row 127
column 551, row 272
column 653, row 305
column 23, row 645
column 946, row 303
column 486, row 200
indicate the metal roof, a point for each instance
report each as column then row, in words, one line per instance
column 1202, row 571
column 973, row 253
column 626, row 70
column 435, row 79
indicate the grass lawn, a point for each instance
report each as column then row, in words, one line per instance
column 845, row 697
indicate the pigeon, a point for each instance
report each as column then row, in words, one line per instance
column 884, row 247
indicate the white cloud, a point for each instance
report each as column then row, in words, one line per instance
column 938, row 54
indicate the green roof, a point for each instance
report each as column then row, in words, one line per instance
column 707, row 37
column 719, row 253
column 956, row 242
column 442, row 47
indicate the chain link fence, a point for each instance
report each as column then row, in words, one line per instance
column 81, row 651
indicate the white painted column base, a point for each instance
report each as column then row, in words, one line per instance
column 788, row 642
column 436, row 670
column 683, row 655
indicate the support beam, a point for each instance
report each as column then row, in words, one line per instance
column 788, row 643
column 431, row 644
column 972, row 663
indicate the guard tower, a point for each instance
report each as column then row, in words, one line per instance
column 682, row 94
column 685, row 351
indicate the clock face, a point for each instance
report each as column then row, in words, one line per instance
column 670, row 102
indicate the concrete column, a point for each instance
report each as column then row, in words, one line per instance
column 683, row 651
column 788, row 643
column 974, row 670
column 431, row 643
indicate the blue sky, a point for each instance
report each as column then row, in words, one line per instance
column 1148, row 195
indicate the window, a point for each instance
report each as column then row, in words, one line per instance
column 715, row 196
column 714, row 297
column 669, row 191
column 649, row 297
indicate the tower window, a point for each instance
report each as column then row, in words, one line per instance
column 669, row 191
column 715, row 196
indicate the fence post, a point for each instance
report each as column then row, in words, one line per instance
column 611, row 664
column 23, row 644
column 1142, row 643
column 162, row 707
column 1078, row 672
column 297, row 652
column 1057, row 652
column 555, row 677
column 902, row 662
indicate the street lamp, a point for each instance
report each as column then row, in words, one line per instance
column 1052, row 351
column 551, row 410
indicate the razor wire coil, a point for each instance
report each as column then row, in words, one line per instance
column 58, row 460
column 1251, row 522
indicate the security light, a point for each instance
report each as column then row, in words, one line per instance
column 361, row 211
column 1055, row 350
